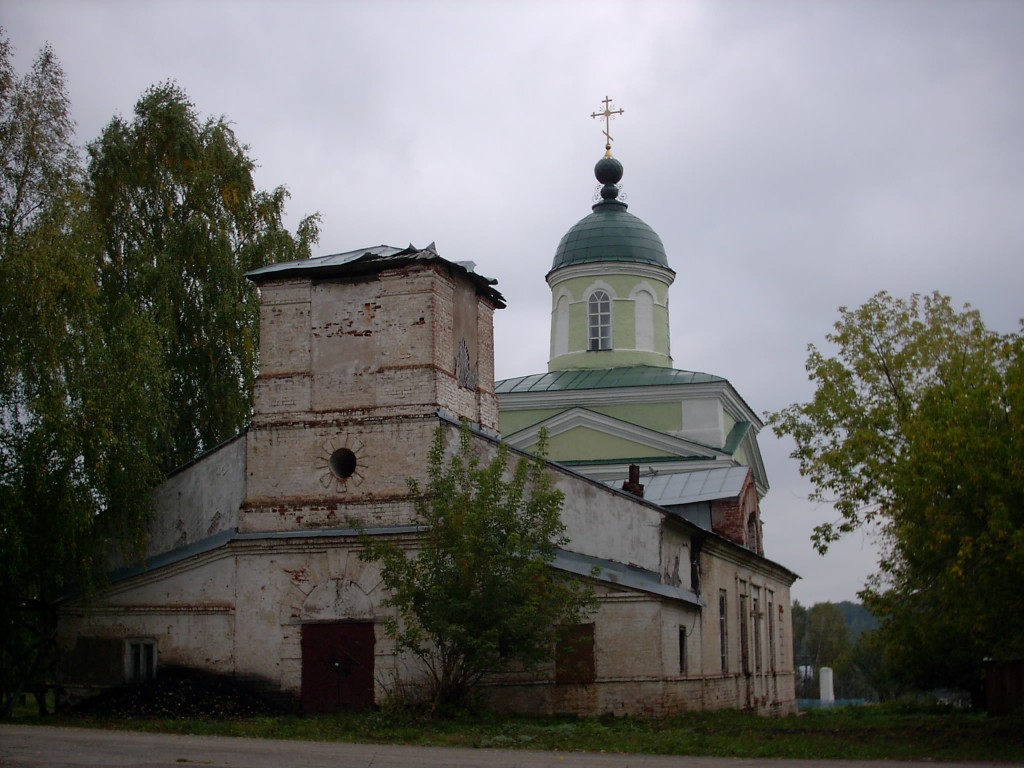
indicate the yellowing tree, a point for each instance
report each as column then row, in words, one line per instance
column 917, row 426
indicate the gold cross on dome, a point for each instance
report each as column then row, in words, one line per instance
column 607, row 115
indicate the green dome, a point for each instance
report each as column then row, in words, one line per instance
column 610, row 233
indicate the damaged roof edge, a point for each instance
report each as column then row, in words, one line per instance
column 617, row 574
column 370, row 260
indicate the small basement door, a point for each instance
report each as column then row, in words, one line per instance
column 337, row 666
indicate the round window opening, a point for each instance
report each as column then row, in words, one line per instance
column 343, row 463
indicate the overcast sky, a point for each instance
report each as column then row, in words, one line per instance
column 795, row 157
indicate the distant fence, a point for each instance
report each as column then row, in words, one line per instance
column 819, row 704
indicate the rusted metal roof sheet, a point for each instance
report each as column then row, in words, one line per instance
column 370, row 260
column 628, row 576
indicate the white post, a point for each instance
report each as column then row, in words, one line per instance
column 828, row 695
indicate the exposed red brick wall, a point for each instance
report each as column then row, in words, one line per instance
column 739, row 519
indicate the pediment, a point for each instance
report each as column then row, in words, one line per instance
column 578, row 434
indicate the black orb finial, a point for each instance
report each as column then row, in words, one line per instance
column 608, row 171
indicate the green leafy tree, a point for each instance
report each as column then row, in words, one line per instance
column 867, row 670
column 916, row 429
column 827, row 637
column 74, row 460
column 806, row 673
column 858, row 618
column 127, row 337
column 181, row 223
column 478, row 595
column 821, row 637
column 799, row 614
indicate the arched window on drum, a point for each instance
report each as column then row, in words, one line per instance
column 599, row 315
column 644, row 304
column 561, row 336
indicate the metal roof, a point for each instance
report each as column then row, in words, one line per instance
column 603, row 378
column 690, row 487
column 370, row 260
column 610, row 234
column 628, row 576
column 222, row 539
column 735, row 437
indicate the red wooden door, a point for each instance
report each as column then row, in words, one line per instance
column 337, row 666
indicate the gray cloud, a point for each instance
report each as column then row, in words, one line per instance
column 794, row 156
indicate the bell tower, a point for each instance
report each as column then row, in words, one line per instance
column 360, row 353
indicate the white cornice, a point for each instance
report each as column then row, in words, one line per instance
column 749, row 441
column 736, row 554
column 732, row 403
column 605, row 268
column 603, row 470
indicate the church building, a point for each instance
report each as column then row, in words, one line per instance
column 253, row 570
column 611, row 398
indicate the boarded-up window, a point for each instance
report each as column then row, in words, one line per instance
column 723, row 629
column 574, row 655
column 467, row 348
column 644, row 304
column 756, row 615
column 695, row 548
column 682, row 650
column 782, row 637
column 744, row 634
column 561, row 336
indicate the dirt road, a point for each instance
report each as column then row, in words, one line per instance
column 37, row 746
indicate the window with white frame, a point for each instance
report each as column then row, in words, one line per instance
column 140, row 660
column 599, row 317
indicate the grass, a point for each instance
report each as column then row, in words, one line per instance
column 864, row 733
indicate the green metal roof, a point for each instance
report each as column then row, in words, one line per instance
column 603, row 378
column 644, row 460
column 610, row 234
column 735, row 437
